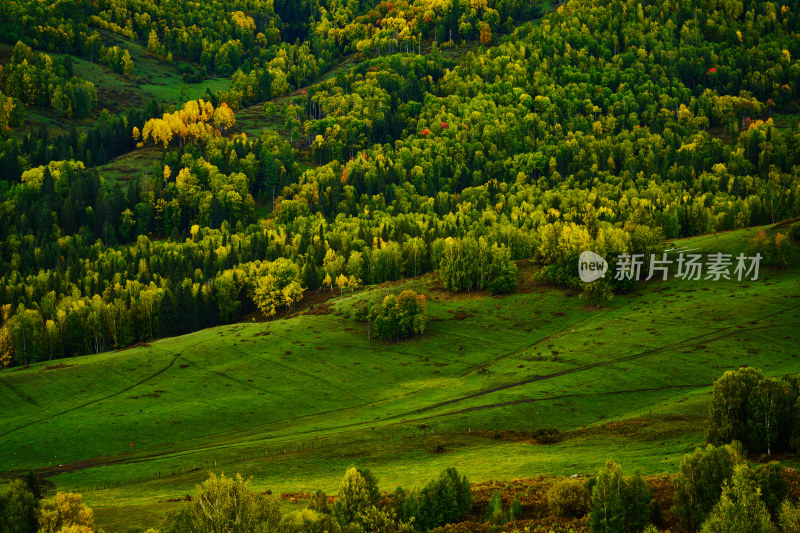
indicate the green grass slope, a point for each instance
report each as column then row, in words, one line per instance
column 296, row 401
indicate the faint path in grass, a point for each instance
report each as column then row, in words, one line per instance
column 175, row 357
column 90, row 402
column 291, row 368
column 590, row 366
column 343, row 430
column 720, row 332
column 568, row 396
column 18, row 394
column 490, row 362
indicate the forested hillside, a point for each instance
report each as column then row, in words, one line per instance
column 457, row 136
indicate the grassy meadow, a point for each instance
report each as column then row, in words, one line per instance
column 295, row 401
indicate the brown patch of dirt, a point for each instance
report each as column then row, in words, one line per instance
column 59, row 365
column 186, row 498
column 295, row 495
column 137, row 345
column 323, row 308
column 461, row 314
column 785, row 223
column 112, row 100
column 440, row 293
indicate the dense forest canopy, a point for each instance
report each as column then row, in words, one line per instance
column 468, row 134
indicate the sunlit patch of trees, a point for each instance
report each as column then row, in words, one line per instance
column 395, row 317
column 195, row 121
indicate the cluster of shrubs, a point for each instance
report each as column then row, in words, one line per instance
column 615, row 503
column 23, row 509
column 761, row 413
column 774, row 252
column 235, row 508
column 395, row 317
column 441, row 501
column 714, row 492
column 497, row 515
column 548, row 435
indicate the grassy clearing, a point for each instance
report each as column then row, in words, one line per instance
column 296, row 401
column 152, row 79
column 155, row 79
column 131, row 165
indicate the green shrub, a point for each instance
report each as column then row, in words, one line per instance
column 618, row 505
column 770, row 481
column 568, row 498
column 740, row 508
column 357, row 493
column 308, row 521
column 18, row 508
column 789, row 517
column 494, row 511
column 761, row 413
column 442, row 501
column 515, row 511
column 698, row 484
column 225, row 504
column 546, row 435
column 383, row 520
column 396, row 317
column 319, row 502
column 760, row 245
column 731, row 394
column 782, row 251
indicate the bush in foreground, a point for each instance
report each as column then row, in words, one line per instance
column 442, row 501
column 740, row 508
column 698, row 484
column 790, row 517
column 619, row 505
column 568, row 498
column 225, row 504
column 494, row 511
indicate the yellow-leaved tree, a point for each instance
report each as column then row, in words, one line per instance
column 224, row 117
column 157, row 130
column 278, row 288
column 341, row 282
column 244, row 21
column 66, row 511
column 192, row 122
